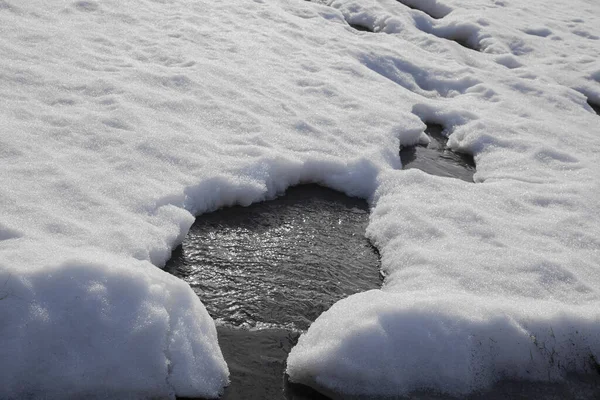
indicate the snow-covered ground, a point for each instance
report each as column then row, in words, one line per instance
column 121, row 120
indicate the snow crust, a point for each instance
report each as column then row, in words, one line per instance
column 120, row 121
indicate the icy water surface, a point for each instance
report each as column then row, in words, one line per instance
column 436, row 158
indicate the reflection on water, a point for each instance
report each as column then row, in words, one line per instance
column 256, row 361
column 436, row 158
column 276, row 266
column 279, row 263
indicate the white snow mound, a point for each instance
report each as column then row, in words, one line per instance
column 120, row 121
column 98, row 327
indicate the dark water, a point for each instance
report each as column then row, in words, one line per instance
column 595, row 107
column 256, row 361
column 279, row 263
column 574, row 387
column 436, row 158
column 361, row 28
column 276, row 266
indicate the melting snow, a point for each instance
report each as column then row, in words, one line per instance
column 121, row 121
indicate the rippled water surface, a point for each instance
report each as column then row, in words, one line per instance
column 276, row 266
column 279, row 263
column 257, row 361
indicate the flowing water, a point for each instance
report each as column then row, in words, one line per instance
column 279, row 263
column 266, row 271
column 436, row 158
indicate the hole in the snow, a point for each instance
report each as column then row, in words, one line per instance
column 465, row 42
column 275, row 266
column 361, row 28
column 279, row 263
column 436, row 158
column 433, row 9
column 595, row 107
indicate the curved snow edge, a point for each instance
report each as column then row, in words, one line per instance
column 385, row 344
column 106, row 327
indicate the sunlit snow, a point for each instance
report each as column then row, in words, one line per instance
column 121, row 120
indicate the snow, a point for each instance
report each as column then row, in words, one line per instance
column 439, row 342
column 120, row 121
column 100, row 327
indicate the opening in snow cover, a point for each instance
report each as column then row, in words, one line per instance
column 361, row 28
column 595, row 107
column 279, row 263
column 266, row 271
column 436, row 158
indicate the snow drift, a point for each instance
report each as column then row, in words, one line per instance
column 122, row 120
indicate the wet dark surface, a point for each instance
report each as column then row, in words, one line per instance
column 279, row 263
column 311, row 243
column 256, row 361
column 466, row 43
column 277, row 266
column 436, row 158
column 574, row 387
column 595, row 107
column 361, row 28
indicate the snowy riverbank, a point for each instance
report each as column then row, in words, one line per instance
column 122, row 120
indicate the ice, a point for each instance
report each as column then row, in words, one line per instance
column 120, row 121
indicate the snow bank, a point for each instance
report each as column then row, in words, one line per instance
column 100, row 327
column 455, row 344
column 120, row 121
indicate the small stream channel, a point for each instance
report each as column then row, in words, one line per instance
column 266, row 271
column 436, row 158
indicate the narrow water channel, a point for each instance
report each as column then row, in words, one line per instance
column 266, row 271
column 436, row 158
